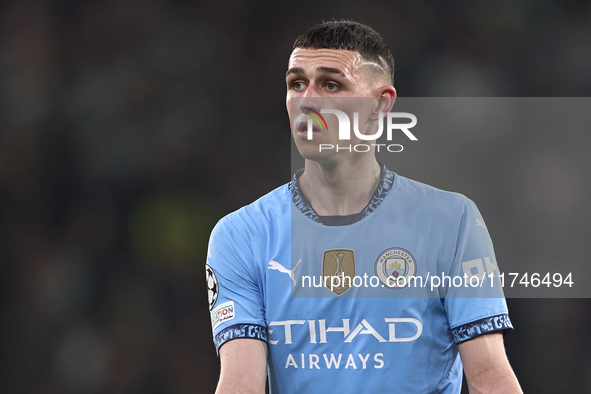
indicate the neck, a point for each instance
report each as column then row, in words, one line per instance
column 343, row 189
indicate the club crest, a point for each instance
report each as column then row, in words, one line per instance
column 395, row 268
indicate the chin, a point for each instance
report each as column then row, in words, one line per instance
column 311, row 151
column 319, row 157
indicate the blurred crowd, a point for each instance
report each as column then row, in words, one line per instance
column 128, row 128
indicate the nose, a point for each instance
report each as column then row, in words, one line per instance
column 311, row 90
column 311, row 99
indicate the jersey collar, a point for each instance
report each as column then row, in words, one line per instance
column 302, row 203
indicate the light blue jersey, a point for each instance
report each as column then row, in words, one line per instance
column 360, row 303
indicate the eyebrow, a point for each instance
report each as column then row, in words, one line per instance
column 326, row 70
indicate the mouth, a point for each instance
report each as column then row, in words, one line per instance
column 302, row 127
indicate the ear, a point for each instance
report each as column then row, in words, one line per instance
column 387, row 97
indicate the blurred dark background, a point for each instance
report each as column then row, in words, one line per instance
column 128, row 128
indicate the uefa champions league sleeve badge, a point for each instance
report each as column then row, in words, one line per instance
column 212, row 286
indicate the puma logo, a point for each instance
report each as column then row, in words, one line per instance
column 274, row 265
column 479, row 223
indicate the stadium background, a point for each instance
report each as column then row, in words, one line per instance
column 128, row 128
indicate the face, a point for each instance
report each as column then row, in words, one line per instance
column 331, row 79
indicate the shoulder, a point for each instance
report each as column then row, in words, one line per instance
column 430, row 199
column 263, row 212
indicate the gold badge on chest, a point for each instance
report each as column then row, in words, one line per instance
column 338, row 269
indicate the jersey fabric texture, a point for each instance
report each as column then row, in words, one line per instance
column 266, row 264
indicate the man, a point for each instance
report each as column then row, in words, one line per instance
column 345, row 215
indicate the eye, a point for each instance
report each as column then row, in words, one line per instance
column 331, row 87
column 297, row 85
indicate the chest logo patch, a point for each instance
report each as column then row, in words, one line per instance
column 338, row 263
column 395, row 268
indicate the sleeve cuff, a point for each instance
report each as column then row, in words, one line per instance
column 250, row 331
column 480, row 327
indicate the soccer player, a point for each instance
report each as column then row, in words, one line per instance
column 346, row 215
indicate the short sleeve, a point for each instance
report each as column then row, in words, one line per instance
column 234, row 294
column 475, row 305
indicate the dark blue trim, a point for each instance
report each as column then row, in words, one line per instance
column 251, row 331
column 483, row 326
column 302, row 203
